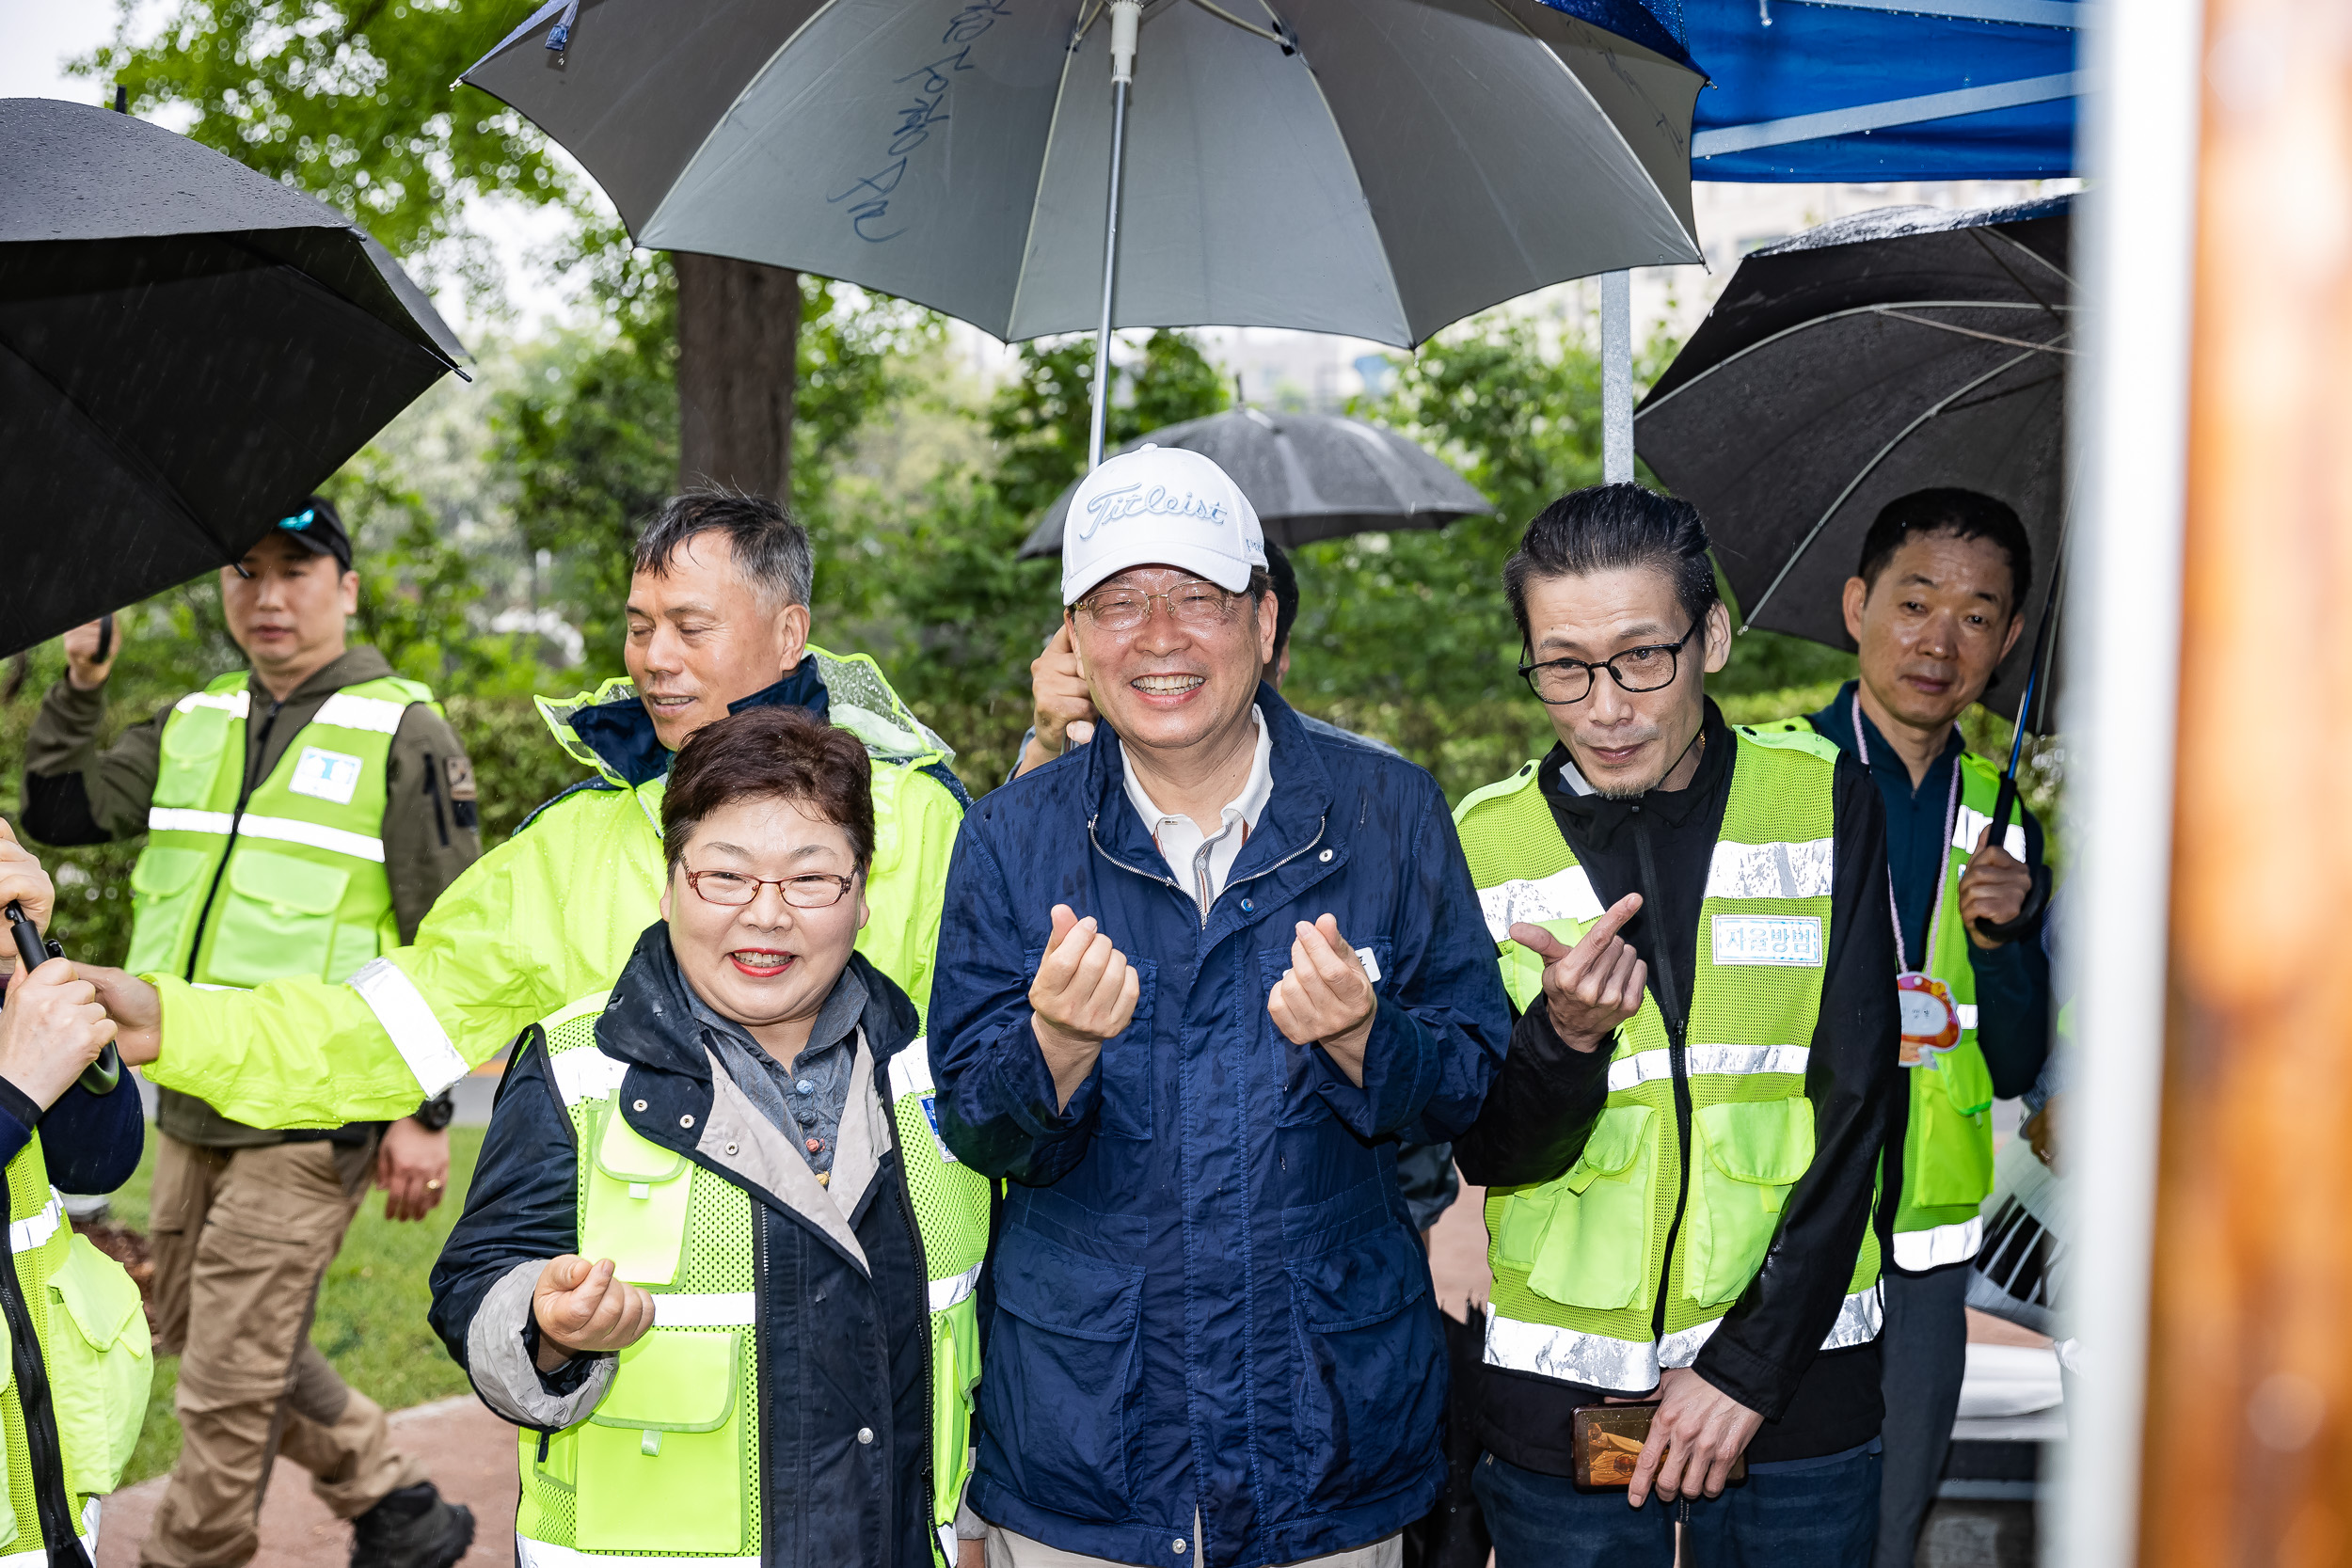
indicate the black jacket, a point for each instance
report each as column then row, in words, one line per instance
column 840, row 1350
column 1766, row 1354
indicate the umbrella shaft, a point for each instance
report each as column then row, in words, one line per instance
column 1110, row 275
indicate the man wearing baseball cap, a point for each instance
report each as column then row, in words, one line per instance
column 300, row 815
column 1195, row 981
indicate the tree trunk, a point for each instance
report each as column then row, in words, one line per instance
column 739, row 330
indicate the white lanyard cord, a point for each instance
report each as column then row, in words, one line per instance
column 1942, row 858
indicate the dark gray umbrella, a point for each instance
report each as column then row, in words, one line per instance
column 1882, row 353
column 1310, row 476
column 187, row 348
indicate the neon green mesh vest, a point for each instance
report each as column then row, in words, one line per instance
column 294, row 880
column 94, row 1354
column 667, row 1464
column 1580, row 1262
column 1947, row 1151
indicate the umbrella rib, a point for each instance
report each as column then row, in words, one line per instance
column 1985, row 237
column 1651, row 405
column 133, row 461
column 2050, row 347
column 1748, row 619
column 1224, row 15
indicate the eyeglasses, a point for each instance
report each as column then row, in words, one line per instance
column 1203, row 606
column 811, row 889
column 1650, row 668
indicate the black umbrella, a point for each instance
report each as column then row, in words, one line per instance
column 1310, row 476
column 187, row 348
column 1868, row 357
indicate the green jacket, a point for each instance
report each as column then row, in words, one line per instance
column 550, row 915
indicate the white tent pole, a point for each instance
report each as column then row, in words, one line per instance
column 1616, row 377
column 1126, row 17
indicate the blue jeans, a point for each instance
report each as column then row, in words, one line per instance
column 1825, row 1516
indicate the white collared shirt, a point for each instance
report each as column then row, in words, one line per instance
column 1199, row 861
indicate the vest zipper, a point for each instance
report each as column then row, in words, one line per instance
column 768, row 1523
column 46, row 1455
column 255, row 749
column 930, row 1349
column 1668, row 985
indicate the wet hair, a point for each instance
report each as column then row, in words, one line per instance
column 771, row 552
column 1283, row 577
column 1608, row 527
column 1961, row 514
column 771, row 753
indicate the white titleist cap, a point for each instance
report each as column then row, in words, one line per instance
column 1159, row 506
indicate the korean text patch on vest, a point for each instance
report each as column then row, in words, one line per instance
column 1794, row 939
column 325, row 775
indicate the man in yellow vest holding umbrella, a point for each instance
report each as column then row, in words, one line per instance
column 1682, row 1151
column 1937, row 602
column 301, row 818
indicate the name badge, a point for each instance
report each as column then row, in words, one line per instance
column 325, row 775
column 1792, row 940
column 1931, row 1021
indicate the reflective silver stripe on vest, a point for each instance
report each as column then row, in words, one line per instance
column 1628, row 1073
column 1969, row 824
column 1967, row 1011
column 586, row 1072
column 26, row 1235
column 946, row 1293
column 361, row 713
column 704, row 1309
column 911, row 1069
column 1921, row 1250
column 407, row 1018
column 287, row 830
column 234, row 703
column 185, row 819
column 1801, row 870
column 1565, row 894
column 38, row 1557
column 540, row 1554
column 1630, row 1365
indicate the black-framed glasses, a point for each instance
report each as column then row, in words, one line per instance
column 810, row 890
column 1650, row 667
column 1199, row 605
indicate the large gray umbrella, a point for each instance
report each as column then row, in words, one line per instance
column 1371, row 168
column 1309, row 476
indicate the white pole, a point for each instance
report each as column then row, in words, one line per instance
column 2129, row 419
column 1126, row 19
column 1616, row 377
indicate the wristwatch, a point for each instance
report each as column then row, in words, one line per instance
column 436, row 1112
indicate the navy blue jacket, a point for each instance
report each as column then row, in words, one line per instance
column 1208, row 1295
column 840, row 1348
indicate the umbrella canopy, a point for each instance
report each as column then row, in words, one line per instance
column 1374, row 167
column 1309, row 476
column 187, row 348
column 1886, row 353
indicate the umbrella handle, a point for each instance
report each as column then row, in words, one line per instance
column 2038, row 898
column 101, row 1075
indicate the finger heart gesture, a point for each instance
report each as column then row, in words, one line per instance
column 1326, row 998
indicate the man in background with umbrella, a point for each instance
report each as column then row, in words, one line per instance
column 1937, row 602
column 300, row 817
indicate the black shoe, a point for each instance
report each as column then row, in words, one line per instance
column 411, row 1528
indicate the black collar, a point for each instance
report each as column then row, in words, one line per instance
column 1594, row 820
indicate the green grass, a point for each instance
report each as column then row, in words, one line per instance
column 371, row 1319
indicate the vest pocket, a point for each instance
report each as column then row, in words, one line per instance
column 276, row 918
column 661, row 1462
column 1953, row 1162
column 1062, row 1367
column 190, row 760
column 99, row 1365
column 1593, row 1251
column 163, row 877
column 635, row 1202
column 1749, row 1154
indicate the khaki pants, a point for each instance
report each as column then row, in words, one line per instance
column 242, row 1237
column 1009, row 1551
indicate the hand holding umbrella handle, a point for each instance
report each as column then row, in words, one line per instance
column 2029, row 915
column 101, row 1075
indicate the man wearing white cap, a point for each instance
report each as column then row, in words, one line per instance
column 1194, row 982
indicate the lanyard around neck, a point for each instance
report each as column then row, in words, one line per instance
column 1942, row 873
